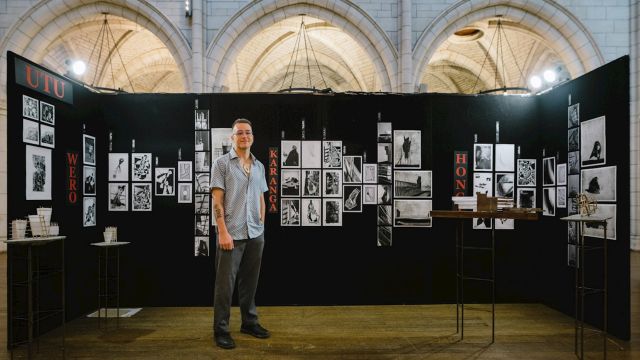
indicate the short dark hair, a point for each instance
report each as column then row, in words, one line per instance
column 241, row 121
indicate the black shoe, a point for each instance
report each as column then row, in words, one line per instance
column 255, row 330
column 224, row 340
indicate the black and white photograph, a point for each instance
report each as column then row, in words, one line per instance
column 385, row 154
column 572, row 206
column 561, row 174
column 201, row 119
column 290, row 212
column 185, row 193
column 47, row 136
column 165, row 181
column 384, row 174
column 88, row 211
column 352, row 198
column 384, row 132
column 573, row 163
column 352, row 169
column 412, row 184
column 548, row 171
column 311, row 212
column 47, row 113
column 203, row 161
column 504, row 224
column 482, row 223
column 526, row 172
column 202, row 225
column 141, row 167
column 572, row 255
column 505, row 185
column 412, row 213
column 384, row 194
column 201, row 202
column 30, row 132
column 599, row 183
column 220, row 142
column 89, row 176
column 38, row 173
column 290, row 154
column 332, row 183
column 385, row 215
column 407, row 149
column 202, row 183
column 370, row 194
column 526, row 198
column 573, row 183
column 549, row 201
column 572, row 232
column 561, row 197
column 311, row 183
column 141, row 199
column 483, row 157
column 483, row 183
column 118, row 166
column 384, row 235
column 573, row 138
column 30, row 108
column 332, row 154
column 89, row 149
column 593, row 147
column 505, row 157
column 185, row 171
column 311, row 154
column 597, row 229
column 201, row 245
column 573, row 115
column 332, row 212
column 202, row 141
column 118, row 197
column 290, row 182
column 369, row 173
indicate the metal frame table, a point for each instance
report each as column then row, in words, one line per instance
column 104, row 280
column 461, row 215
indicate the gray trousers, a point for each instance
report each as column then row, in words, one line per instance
column 242, row 262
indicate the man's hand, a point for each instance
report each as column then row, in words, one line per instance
column 225, row 242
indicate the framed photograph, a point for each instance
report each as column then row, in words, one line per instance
column 505, row 185
column 482, row 223
column 549, row 201
column 290, row 154
column 165, row 181
column 599, row 183
column 185, row 171
column 47, row 113
column 572, row 206
column 290, row 182
column 561, row 197
column 505, row 157
column 573, row 137
column 573, row 256
column 202, row 225
column 332, row 154
column 30, row 108
column 30, row 132
column 574, row 186
column 220, row 141
column 384, row 132
column 384, row 174
column 311, row 183
column 573, row 162
column 573, row 114
column 597, row 230
column 548, row 171
column 412, row 213
column 412, row 184
column 332, row 183
column 141, row 199
column 384, row 235
column 141, row 167
column 311, row 212
column 352, row 168
column 526, row 172
column 202, row 183
column 118, row 196
column 38, row 173
column 369, row 173
column 573, row 233
column 385, row 154
column 384, row 194
column 290, row 212
column 483, row 157
column 203, row 161
column 385, row 215
column 332, row 212
column 407, row 149
column 561, row 174
column 352, row 198
column 47, row 136
column 88, row 211
column 118, row 167
column 202, row 141
column 201, row 245
column 526, row 198
column 483, row 183
column 185, row 193
column 202, row 204
column 369, row 194
column 89, row 175
column 504, row 224
column 201, row 119
column 593, row 148
column 311, row 154
column 89, row 149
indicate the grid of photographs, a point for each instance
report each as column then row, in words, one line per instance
column 194, row 177
column 38, row 123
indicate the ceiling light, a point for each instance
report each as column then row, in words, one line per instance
column 79, row 67
column 535, row 81
column 550, row 75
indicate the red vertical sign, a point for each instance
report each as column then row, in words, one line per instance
column 460, row 162
column 273, row 179
column 72, row 177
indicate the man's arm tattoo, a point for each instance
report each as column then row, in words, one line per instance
column 218, row 210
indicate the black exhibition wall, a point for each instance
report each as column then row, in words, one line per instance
column 331, row 265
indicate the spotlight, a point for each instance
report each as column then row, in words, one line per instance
column 535, row 81
column 187, row 8
column 79, row 67
column 550, row 76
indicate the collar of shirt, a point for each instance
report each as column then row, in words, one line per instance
column 233, row 154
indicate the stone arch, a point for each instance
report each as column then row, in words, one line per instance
column 256, row 16
column 567, row 36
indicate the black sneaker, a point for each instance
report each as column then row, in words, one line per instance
column 224, row 340
column 255, row 330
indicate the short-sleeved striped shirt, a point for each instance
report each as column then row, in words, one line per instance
column 242, row 194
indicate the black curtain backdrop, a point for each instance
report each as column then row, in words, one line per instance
column 332, row 265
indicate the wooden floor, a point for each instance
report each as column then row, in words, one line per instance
column 524, row 331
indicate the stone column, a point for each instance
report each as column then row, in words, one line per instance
column 197, row 45
column 406, row 58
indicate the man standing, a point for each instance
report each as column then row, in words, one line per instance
column 237, row 186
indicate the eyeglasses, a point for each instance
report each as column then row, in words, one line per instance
column 240, row 133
